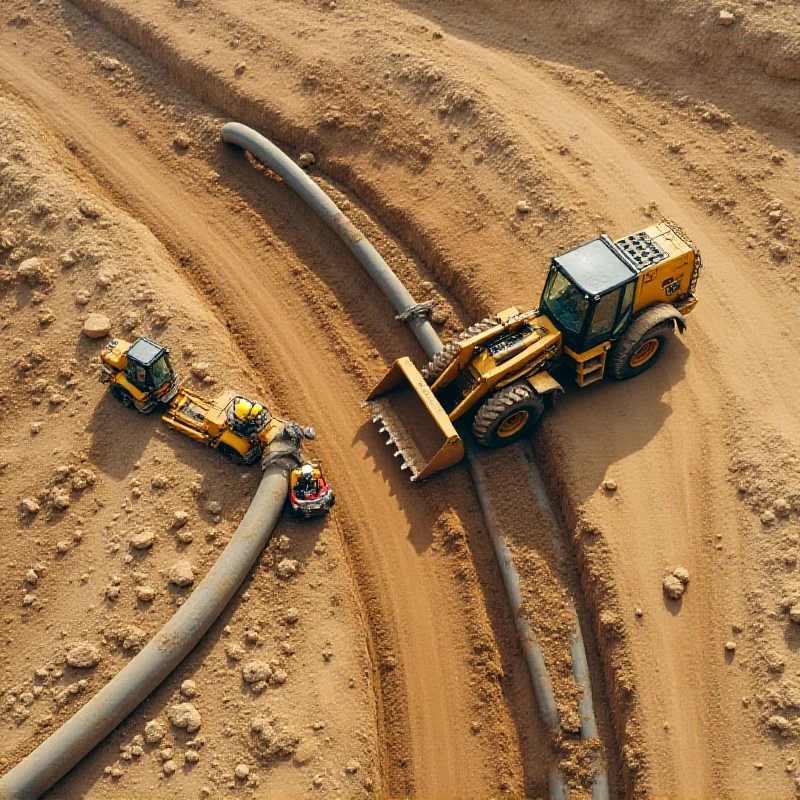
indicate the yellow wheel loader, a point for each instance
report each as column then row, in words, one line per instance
column 141, row 375
column 608, row 308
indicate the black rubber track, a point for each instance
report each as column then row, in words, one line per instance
column 442, row 360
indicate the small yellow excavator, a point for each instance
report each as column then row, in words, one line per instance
column 607, row 308
column 140, row 374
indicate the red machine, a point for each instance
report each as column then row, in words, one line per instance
column 309, row 492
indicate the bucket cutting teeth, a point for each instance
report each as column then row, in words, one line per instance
column 389, row 423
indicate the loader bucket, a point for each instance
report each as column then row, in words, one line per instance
column 415, row 421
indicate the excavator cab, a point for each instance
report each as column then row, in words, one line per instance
column 140, row 374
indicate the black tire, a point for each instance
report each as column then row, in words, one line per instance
column 232, row 454
column 122, row 396
column 635, row 352
column 146, row 408
column 441, row 361
column 507, row 416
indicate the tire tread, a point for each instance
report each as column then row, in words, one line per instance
column 498, row 405
column 433, row 370
column 650, row 320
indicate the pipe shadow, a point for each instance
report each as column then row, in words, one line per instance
column 317, row 248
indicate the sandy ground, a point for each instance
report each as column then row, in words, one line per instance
column 430, row 125
column 104, row 476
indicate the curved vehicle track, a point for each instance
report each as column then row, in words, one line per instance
column 423, row 636
column 443, row 125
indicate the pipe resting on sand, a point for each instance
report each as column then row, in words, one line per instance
column 61, row 751
column 266, row 152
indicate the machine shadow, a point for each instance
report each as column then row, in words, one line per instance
column 592, row 429
column 414, row 499
column 119, row 436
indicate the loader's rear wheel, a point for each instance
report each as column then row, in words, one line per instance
column 507, row 416
column 232, row 454
column 633, row 355
column 441, row 361
column 122, row 396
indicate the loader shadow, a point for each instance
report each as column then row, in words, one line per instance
column 592, row 429
column 595, row 428
column 414, row 499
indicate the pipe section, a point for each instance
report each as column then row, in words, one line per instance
column 542, row 686
column 266, row 152
column 577, row 649
column 60, row 752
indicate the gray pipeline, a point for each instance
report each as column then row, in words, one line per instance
column 61, row 751
column 577, row 649
column 542, row 685
column 265, row 151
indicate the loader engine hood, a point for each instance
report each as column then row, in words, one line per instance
column 536, row 334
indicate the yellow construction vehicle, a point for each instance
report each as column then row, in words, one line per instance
column 141, row 375
column 607, row 308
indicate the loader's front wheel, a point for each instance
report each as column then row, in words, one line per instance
column 507, row 416
column 122, row 396
column 631, row 356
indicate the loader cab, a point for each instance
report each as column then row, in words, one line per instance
column 148, row 367
column 589, row 293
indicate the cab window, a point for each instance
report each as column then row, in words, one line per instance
column 160, row 372
column 605, row 313
column 565, row 302
column 625, row 310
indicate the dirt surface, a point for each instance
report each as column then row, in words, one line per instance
column 129, row 517
column 428, row 126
